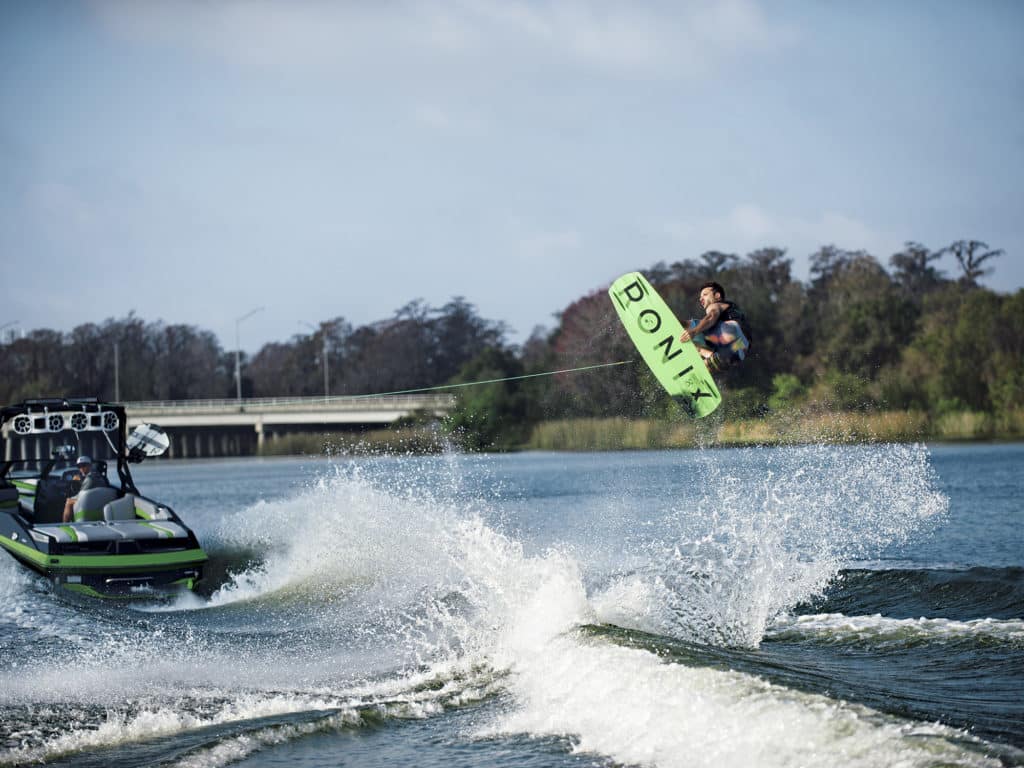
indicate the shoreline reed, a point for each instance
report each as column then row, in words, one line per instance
column 619, row 433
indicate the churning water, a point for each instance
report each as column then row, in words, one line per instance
column 816, row 605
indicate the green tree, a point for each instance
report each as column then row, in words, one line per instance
column 716, row 262
column 491, row 416
column 914, row 273
column 459, row 334
column 787, row 391
column 773, row 302
column 950, row 364
column 859, row 323
column 1006, row 375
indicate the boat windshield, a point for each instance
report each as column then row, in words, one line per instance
column 32, row 455
column 51, row 443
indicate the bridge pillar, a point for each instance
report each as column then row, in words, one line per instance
column 259, row 436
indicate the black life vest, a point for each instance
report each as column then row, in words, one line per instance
column 733, row 312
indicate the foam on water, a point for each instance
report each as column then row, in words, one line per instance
column 343, row 532
column 628, row 705
column 771, row 528
column 239, row 747
column 878, row 630
column 120, row 729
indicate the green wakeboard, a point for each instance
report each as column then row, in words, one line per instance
column 655, row 331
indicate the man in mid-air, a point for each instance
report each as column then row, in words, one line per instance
column 722, row 336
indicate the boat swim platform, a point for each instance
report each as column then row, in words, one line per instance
column 232, row 427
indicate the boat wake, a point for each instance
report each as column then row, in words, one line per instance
column 877, row 631
column 384, row 598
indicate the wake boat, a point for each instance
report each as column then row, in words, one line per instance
column 119, row 544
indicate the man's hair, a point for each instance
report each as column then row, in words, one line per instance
column 715, row 287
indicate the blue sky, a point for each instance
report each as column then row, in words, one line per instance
column 191, row 161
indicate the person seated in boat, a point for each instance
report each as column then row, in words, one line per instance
column 85, row 478
column 722, row 336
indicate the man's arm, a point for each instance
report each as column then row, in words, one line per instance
column 77, row 485
column 706, row 322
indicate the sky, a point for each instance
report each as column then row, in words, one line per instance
column 194, row 161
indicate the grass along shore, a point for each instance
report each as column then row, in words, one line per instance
column 614, row 434
column 784, row 429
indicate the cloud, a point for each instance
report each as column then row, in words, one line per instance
column 749, row 226
column 610, row 38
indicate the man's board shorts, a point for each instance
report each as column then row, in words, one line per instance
column 726, row 341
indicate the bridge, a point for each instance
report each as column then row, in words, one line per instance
column 200, row 428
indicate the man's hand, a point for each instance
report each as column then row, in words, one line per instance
column 686, row 337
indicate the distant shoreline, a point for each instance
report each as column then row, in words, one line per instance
column 616, row 433
column 846, row 428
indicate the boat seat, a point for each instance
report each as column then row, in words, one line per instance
column 79, row 532
column 142, row 529
column 149, row 510
column 120, row 509
column 89, row 504
column 8, row 497
column 138, row 530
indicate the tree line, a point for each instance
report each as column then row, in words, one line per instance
column 855, row 334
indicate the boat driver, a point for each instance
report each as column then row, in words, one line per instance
column 83, row 480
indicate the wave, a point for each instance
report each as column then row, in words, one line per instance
column 636, row 708
column 771, row 530
column 962, row 594
column 340, row 535
column 882, row 632
column 216, row 730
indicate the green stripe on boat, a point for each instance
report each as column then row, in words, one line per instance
column 162, row 531
column 112, row 563
column 108, row 562
column 70, row 532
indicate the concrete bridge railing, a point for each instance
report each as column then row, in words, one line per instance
column 443, row 402
column 211, row 427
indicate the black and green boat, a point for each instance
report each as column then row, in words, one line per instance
column 119, row 544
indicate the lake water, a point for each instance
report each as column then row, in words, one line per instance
column 811, row 606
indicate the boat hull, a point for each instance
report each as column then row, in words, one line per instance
column 125, row 576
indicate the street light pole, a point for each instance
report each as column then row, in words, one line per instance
column 238, row 353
